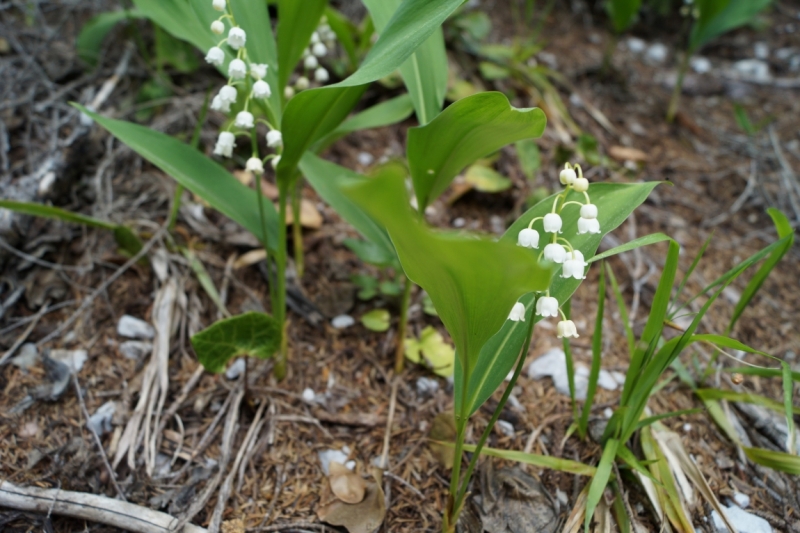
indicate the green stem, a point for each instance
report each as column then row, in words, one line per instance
column 297, row 229
column 676, row 91
column 399, row 353
column 452, row 511
column 279, row 311
column 495, row 416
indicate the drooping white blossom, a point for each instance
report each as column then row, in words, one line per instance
column 274, row 138
column 225, row 144
column 301, row 84
column 258, row 70
column 236, row 38
column 589, row 211
column 588, row 225
column 254, row 165
column 314, row 38
column 566, row 328
column 581, row 185
column 547, row 306
column 517, row 313
column 573, row 267
column 244, row 120
column 310, row 62
column 319, row 50
column 217, row 27
column 552, row 223
column 237, row 69
column 223, row 100
column 528, row 238
column 567, row 176
column 215, row 56
column 288, row 92
column 261, row 89
column 321, row 75
column 555, row 252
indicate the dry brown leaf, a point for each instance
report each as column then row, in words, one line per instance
column 346, row 484
column 244, row 177
column 443, row 429
column 310, row 217
column 233, row 526
column 250, row 258
column 626, row 153
column 363, row 517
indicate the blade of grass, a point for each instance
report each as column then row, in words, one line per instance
column 544, row 461
column 632, row 245
column 761, row 372
column 755, row 399
column 205, row 280
column 623, row 310
column 600, row 480
column 597, row 348
column 780, row 461
column 692, row 267
column 789, row 409
column 655, row 418
column 567, row 309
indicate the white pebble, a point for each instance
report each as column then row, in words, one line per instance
column 100, row 421
column 636, row 45
column 742, row 500
column 700, row 64
column 506, row 427
column 745, row 522
column 459, row 222
column 327, row 456
column 656, row 53
column 74, row 359
column 135, row 350
column 427, row 386
column 236, row 369
column 134, row 328
column 365, row 159
column 687, row 428
column 608, row 412
column 343, row 321
column 309, row 395
column 761, row 50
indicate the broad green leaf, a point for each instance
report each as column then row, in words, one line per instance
column 371, row 253
column 126, row 239
column 468, row 130
column 376, row 320
column 383, row 114
column 628, row 246
column 746, row 397
column 544, row 461
column 721, row 16
column 297, row 20
column 530, row 160
column 344, row 30
column 330, row 181
column 622, row 13
column 473, row 282
column 411, row 25
column 188, row 20
column 90, row 40
column 251, row 334
column 600, row 480
column 614, row 203
column 197, row 173
column 425, row 71
column 432, row 351
column 170, row 50
column 485, row 179
column 308, row 117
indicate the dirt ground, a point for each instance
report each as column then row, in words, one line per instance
column 722, row 182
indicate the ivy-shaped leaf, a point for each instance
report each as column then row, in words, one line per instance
column 252, row 334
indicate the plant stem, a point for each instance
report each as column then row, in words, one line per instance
column 279, row 311
column 399, row 354
column 676, row 91
column 297, row 229
column 176, row 205
column 484, row 437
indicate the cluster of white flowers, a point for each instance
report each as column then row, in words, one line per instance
column 322, row 40
column 246, row 75
column 571, row 259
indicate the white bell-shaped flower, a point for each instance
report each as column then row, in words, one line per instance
column 225, row 144
column 311, row 62
column 573, row 268
column 547, row 306
column 528, row 238
column 217, row 27
column 567, row 176
column 578, row 256
column 319, row 50
column 236, row 38
column 314, row 38
column 258, row 70
column 274, row 138
column 517, row 313
column 288, row 92
column 219, row 104
column 261, row 89
column 552, row 223
column 254, row 165
column 228, row 93
column 555, row 252
column 215, row 56
column 275, row 161
column 321, row 75
column 588, row 225
column 566, row 328
column 301, row 84
column 237, row 69
column 581, row 185
column 244, row 120
column 589, row 211
column 219, row 5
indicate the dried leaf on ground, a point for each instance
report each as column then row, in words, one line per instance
column 346, row 484
column 443, row 433
column 362, row 517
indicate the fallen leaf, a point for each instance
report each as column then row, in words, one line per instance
column 250, row 258
column 363, row 517
column 626, row 153
column 310, row 217
column 233, row 526
column 376, row 320
column 432, row 351
column 443, row 430
column 346, row 485
column 486, row 179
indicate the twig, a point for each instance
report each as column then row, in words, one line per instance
column 292, row 527
column 187, row 388
column 89, row 507
column 24, row 336
column 789, row 179
column 97, row 441
column 41, row 262
column 388, row 433
column 403, row 482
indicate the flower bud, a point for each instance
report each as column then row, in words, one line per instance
column 581, row 185
column 567, row 176
column 319, row 50
column 258, row 70
column 517, row 313
column 236, row 38
column 275, row 161
column 528, row 238
column 552, row 223
column 217, row 27
column 219, row 5
column 274, row 138
column 314, row 38
column 215, row 56
column 244, row 120
column 310, row 62
column 301, row 84
column 321, row 75
column 261, row 89
column 288, row 92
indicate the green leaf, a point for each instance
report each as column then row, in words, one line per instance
column 330, row 181
column 614, row 203
column 383, row 114
column 296, row 22
column 600, row 480
column 653, row 419
column 308, row 117
column 170, row 50
column 90, row 40
column 371, row 253
column 622, row 13
column 468, row 130
column 781, row 461
column 622, row 310
column 188, row 20
column 544, row 461
column 746, row 397
column 197, row 173
column 251, row 334
column 759, row 371
column 721, row 16
column 205, row 280
column 472, row 281
column 390, row 288
column 425, row 71
column 529, row 157
column 376, row 320
column 367, row 284
column 344, row 30
column 597, row 353
column 432, row 351
column 636, row 243
column 410, row 26
column 485, row 179
column 476, row 23
column 492, row 71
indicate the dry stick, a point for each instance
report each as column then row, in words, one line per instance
column 187, row 388
column 292, row 527
column 388, row 434
column 227, row 442
column 789, row 179
column 97, row 292
column 280, row 475
column 97, row 439
column 248, row 454
column 25, row 334
column 89, row 507
column 227, row 485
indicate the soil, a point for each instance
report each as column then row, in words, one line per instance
column 718, row 184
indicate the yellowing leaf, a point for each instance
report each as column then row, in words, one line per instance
column 486, row 179
column 432, row 351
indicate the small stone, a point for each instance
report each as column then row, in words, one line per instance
column 330, row 455
column 135, row 328
column 72, row 359
column 656, row 53
column 459, row 222
column 236, row 369
column 608, row 412
column 619, row 377
column 135, row 350
column 562, row 497
column 309, row 395
column 365, row 159
column 507, row 428
column 761, row 50
column 606, row 381
column 427, row 386
column 343, row 321
column 687, row 428
column 745, row 522
column 742, row 500
column 700, row 64
column 636, row 45
column 753, row 69
column 27, row 357
column 100, row 421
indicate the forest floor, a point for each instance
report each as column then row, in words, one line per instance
column 721, row 181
